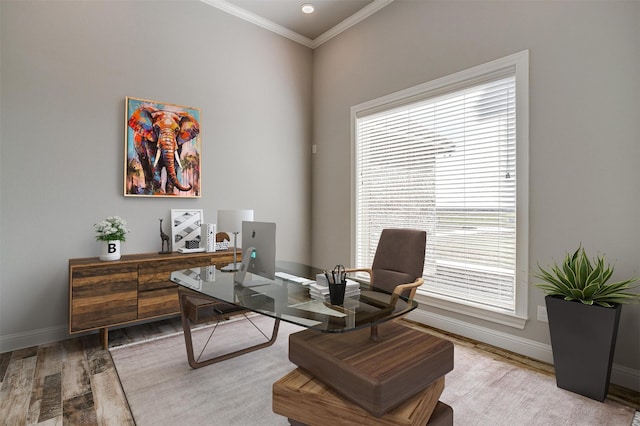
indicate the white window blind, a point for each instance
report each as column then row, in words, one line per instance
column 445, row 162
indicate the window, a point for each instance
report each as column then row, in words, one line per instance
column 450, row 157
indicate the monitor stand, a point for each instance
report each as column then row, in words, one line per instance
column 242, row 271
column 232, row 267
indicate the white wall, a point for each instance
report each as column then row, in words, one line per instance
column 66, row 68
column 584, row 126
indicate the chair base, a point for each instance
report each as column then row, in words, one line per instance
column 307, row 401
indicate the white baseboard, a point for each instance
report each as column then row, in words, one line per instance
column 620, row 375
column 12, row 342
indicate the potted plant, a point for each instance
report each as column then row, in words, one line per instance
column 111, row 232
column 584, row 313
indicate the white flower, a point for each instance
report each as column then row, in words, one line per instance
column 112, row 228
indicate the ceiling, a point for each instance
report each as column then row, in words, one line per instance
column 285, row 17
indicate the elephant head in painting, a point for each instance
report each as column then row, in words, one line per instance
column 159, row 135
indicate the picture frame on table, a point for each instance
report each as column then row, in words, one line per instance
column 185, row 228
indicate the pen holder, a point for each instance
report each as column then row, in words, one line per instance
column 336, row 293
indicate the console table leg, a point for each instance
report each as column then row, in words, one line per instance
column 104, row 337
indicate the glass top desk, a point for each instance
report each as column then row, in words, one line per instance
column 287, row 298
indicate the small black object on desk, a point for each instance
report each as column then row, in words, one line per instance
column 337, row 283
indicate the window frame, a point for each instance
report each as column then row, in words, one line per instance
column 519, row 63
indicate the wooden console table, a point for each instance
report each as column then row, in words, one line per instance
column 104, row 294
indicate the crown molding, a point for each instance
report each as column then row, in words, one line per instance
column 241, row 13
column 360, row 15
column 260, row 21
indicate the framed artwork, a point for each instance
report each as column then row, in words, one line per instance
column 185, row 228
column 162, row 150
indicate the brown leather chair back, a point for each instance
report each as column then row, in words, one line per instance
column 399, row 258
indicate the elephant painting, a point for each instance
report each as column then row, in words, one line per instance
column 159, row 136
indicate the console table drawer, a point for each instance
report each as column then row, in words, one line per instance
column 162, row 270
column 146, row 283
column 101, row 272
column 156, row 276
column 99, row 300
column 158, row 302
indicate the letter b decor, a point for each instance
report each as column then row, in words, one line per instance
column 110, row 250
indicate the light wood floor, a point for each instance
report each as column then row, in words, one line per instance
column 616, row 393
column 74, row 382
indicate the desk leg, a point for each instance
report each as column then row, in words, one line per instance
column 193, row 363
column 374, row 334
column 104, row 337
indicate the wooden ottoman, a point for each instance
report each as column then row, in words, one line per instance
column 376, row 375
column 307, row 401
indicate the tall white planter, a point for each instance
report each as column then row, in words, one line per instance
column 110, row 250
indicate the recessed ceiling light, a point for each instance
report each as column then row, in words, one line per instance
column 307, row 8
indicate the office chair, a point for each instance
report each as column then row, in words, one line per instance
column 398, row 263
column 394, row 378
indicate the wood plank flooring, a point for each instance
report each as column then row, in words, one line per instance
column 74, row 382
column 71, row 382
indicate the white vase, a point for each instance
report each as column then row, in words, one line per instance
column 110, row 250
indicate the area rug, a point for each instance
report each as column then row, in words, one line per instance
column 162, row 389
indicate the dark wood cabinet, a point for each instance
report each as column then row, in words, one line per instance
column 134, row 288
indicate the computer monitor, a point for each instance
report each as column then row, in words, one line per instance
column 258, row 251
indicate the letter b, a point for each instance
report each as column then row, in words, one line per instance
column 111, row 248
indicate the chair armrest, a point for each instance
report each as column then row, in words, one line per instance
column 400, row 288
column 367, row 270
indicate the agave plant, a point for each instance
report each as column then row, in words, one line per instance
column 579, row 278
